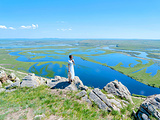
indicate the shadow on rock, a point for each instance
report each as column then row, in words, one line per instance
column 61, row 85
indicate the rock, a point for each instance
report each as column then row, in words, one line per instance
column 3, row 76
column 82, row 87
column 125, row 102
column 17, row 79
column 81, row 94
column 116, row 103
column 117, row 88
column 110, row 96
column 12, row 76
column 8, row 82
column 39, row 117
column 98, row 101
column 42, row 81
column 30, row 81
column 2, row 89
column 85, row 98
column 57, row 78
column 13, row 85
column 145, row 117
column 102, row 97
column 11, row 90
column 62, row 83
column 151, row 106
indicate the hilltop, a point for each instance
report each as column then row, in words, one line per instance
column 26, row 96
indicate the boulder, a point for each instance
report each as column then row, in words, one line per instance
column 102, row 97
column 151, row 106
column 30, row 81
column 81, row 94
column 10, row 90
column 17, row 79
column 117, row 88
column 93, row 97
column 8, row 82
column 63, row 83
column 12, row 76
column 3, row 76
column 13, row 85
column 85, row 98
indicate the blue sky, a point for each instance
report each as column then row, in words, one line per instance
column 129, row 19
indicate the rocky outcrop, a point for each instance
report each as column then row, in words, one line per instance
column 150, row 107
column 12, row 76
column 82, row 93
column 62, row 83
column 31, row 81
column 117, row 88
column 105, row 102
column 3, row 76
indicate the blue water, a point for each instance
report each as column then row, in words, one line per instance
column 115, row 58
column 153, row 69
column 88, row 52
column 92, row 74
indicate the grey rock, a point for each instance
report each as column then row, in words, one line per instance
column 57, row 78
column 3, row 76
column 39, row 116
column 85, row 98
column 31, row 74
column 62, row 83
column 125, row 102
column 110, row 96
column 118, row 104
column 17, row 79
column 81, row 94
column 102, row 97
column 150, row 106
column 11, row 90
column 8, row 82
column 30, row 81
column 82, row 87
column 117, row 88
column 13, row 85
column 98, row 101
column 12, row 76
column 2, row 90
column 145, row 117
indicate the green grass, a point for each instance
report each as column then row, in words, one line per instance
column 42, row 101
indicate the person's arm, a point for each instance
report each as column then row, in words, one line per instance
column 73, row 62
column 68, row 68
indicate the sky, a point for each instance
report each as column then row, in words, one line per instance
column 116, row 19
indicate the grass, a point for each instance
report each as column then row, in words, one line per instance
column 43, row 101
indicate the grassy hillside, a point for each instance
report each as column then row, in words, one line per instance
column 28, row 102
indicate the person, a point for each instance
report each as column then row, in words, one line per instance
column 71, row 64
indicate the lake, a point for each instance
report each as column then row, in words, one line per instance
column 92, row 74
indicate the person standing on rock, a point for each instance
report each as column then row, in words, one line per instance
column 71, row 64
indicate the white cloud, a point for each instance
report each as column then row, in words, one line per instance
column 3, row 27
column 29, row 27
column 11, row 28
column 64, row 29
column 70, row 29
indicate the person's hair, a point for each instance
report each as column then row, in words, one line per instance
column 70, row 56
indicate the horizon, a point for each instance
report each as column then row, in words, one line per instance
column 91, row 19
